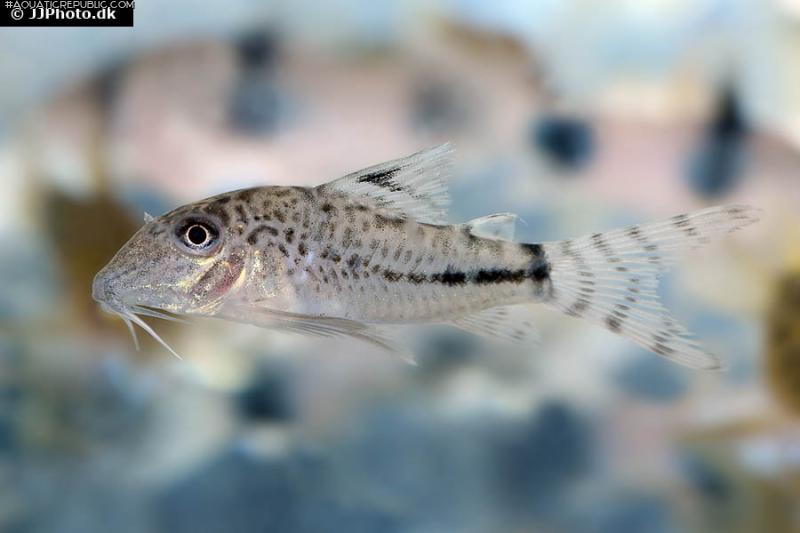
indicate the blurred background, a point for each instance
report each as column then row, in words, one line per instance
column 577, row 116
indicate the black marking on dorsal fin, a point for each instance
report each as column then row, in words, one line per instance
column 382, row 178
column 414, row 186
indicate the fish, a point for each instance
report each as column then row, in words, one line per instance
column 356, row 256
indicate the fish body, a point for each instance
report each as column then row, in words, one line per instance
column 372, row 248
column 320, row 252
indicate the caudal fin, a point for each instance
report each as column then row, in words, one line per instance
column 611, row 278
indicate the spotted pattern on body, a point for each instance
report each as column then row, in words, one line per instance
column 347, row 258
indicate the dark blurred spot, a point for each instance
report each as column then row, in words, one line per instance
column 719, row 161
column 537, row 460
column 255, row 102
column 653, row 378
column 729, row 120
column 437, row 108
column 445, row 351
column 258, row 49
column 706, row 478
column 8, row 434
column 107, row 84
column 267, row 398
column 567, row 142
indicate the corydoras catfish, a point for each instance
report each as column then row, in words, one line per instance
column 373, row 248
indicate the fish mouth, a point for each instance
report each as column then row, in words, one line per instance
column 110, row 302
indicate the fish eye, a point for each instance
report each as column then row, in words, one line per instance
column 197, row 235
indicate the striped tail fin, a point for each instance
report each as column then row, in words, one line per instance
column 611, row 278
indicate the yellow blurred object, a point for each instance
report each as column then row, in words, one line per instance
column 745, row 476
column 783, row 342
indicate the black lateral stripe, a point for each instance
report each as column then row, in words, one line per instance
column 498, row 275
column 452, row 277
column 449, row 277
column 538, row 270
column 392, row 276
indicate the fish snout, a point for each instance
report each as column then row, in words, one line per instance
column 101, row 288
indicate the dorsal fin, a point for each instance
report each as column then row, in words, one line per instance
column 415, row 186
column 148, row 217
column 497, row 226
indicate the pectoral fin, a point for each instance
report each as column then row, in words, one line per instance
column 513, row 324
column 317, row 326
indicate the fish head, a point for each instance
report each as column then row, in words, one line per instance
column 183, row 262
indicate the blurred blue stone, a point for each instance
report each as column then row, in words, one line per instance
column 706, row 478
column 8, row 434
column 405, row 458
column 258, row 49
column 255, row 103
column 535, row 462
column 651, row 377
column 233, row 493
column 111, row 409
column 627, row 512
column 716, row 167
column 329, row 515
column 20, row 524
column 446, row 350
column 30, row 285
column 567, row 142
column 242, row 493
column 719, row 162
column 266, row 397
column 107, row 84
